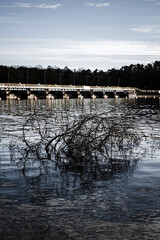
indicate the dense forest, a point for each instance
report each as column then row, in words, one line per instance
column 139, row 75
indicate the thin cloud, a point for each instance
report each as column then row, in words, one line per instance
column 6, row 19
column 43, row 5
column 88, row 4
column 31, row 5
column 157, row 4
column 146, row 29
column 89, row 54
column 90, row 48
column 24, row 5
column 154, row 2
column 48, row 6
column 12, row 20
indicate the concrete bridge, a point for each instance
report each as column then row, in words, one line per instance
column 35, row 91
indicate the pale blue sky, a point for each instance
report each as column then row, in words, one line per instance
column 79, row 33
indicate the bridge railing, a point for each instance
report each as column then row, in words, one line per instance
column 46, row 87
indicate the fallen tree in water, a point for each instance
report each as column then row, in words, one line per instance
column 86, row 142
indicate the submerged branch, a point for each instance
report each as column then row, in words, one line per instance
column 88, row 142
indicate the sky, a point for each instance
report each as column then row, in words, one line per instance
column 94, row 34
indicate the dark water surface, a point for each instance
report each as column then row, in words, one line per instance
column 47, row 203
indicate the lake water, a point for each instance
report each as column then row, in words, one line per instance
column 48, row 203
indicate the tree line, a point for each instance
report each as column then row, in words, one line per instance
column 138, row 75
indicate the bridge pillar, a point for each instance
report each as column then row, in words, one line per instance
column 93, row 96
column 132, row 94
column 65, row 95
column 126, row 94
column 80, row 96
column 49, row 95
column 105, row 95
column 31, row 96
column 11, row 96
column 115, row 94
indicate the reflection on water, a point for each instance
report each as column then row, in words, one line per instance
column 47, row 202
